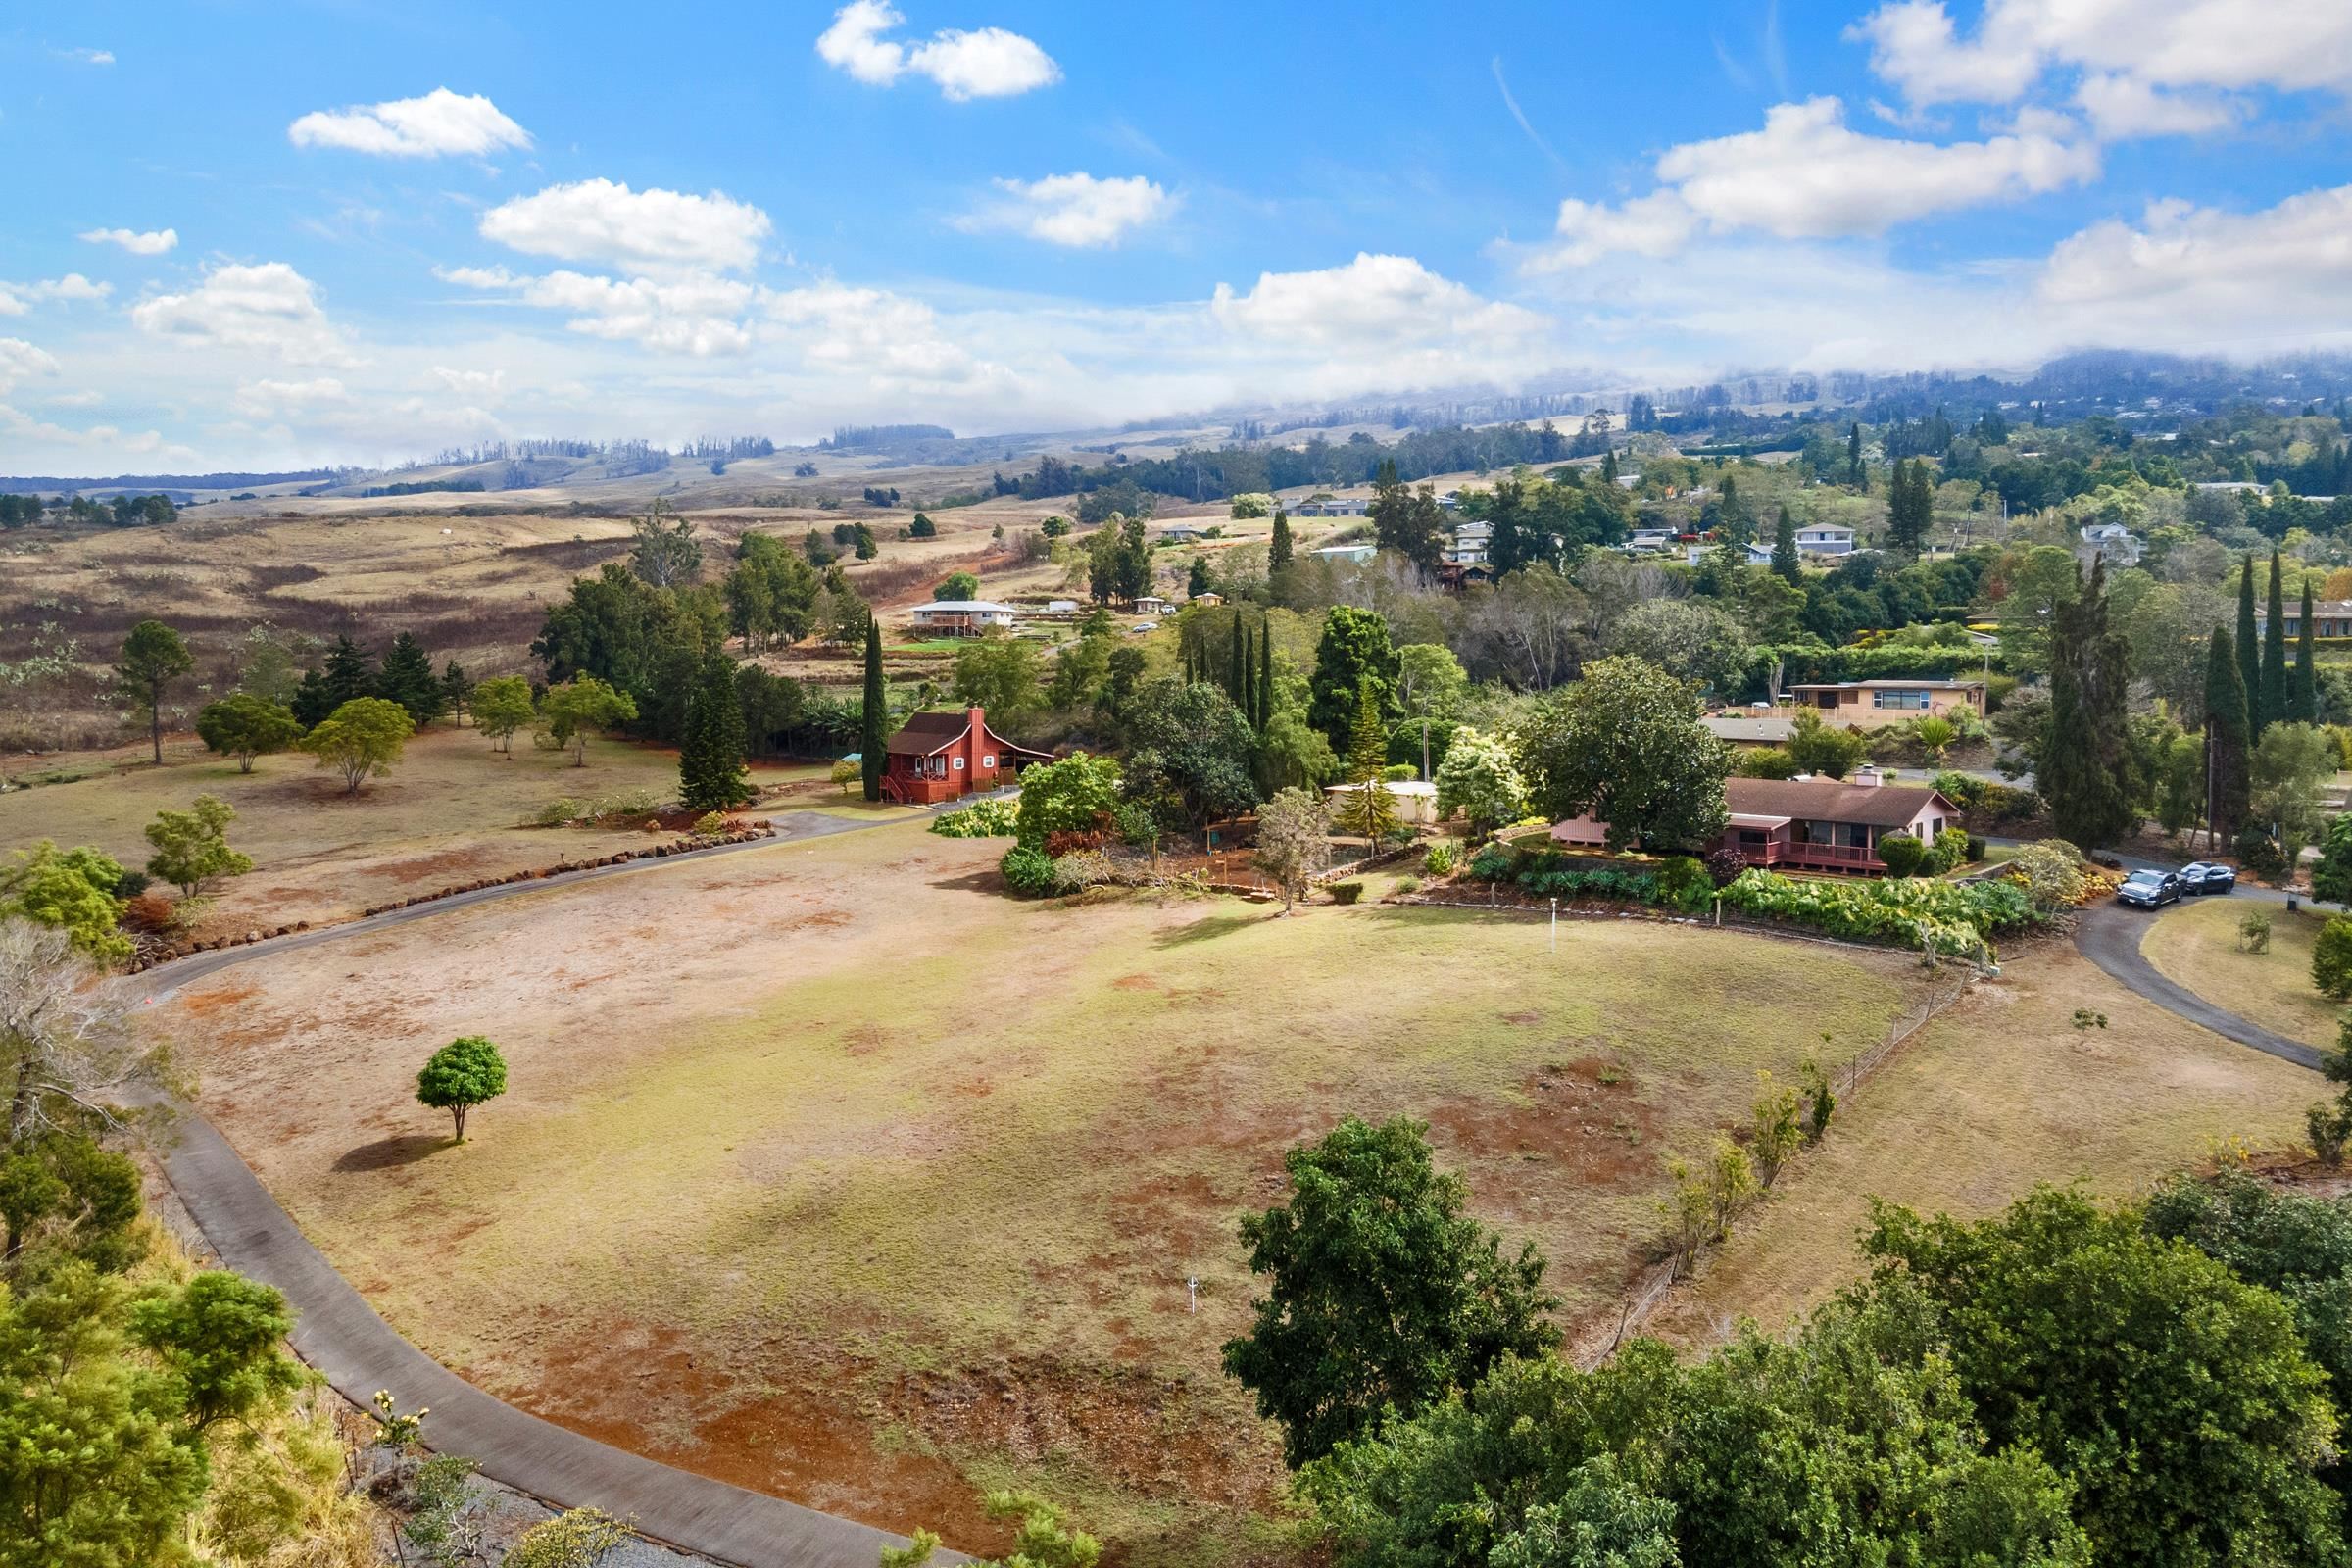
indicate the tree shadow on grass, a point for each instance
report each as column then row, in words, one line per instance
column 1210, row 929
column 387, row 1152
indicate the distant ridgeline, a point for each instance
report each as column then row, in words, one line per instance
column 178, row 486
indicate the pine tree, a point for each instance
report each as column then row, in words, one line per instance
column 1855, row 474
column 456, row 691
column 1785, row 560
column 349, row 673
column 875, row 735
column 1369, row 812
column 2274, row 655
column 408, row 679
column 2302, row 687
column 1278, row 553
column 1608, row 466
column 1237, row 653
column 1266, row 678
column 2249, row 651
column 710, row 774
column 2086, row 771
column 2228, row 742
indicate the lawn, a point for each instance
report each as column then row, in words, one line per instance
column 829, row 1171
column 2195, row 945
column 1999, row 1093
column 451, row 811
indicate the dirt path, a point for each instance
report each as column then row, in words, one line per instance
column 2109, row 936
column 337, row 1332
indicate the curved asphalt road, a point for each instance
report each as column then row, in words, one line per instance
column 337, row 1332
column 2109, row 936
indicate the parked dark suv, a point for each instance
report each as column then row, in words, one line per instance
column 2204, row 876
column 2148, row 889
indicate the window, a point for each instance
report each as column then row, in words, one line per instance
column 1914, row 701
column 958, row 765
column 988, row 761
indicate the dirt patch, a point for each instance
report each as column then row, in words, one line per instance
column 205, row 1004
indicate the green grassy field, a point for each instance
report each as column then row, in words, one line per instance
column 837, row 1128
column 2196, row 944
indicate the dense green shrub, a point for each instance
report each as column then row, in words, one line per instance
column 1346, row 891
column 1683, row 882
column 2332, row 959
column 982, row 819
column 2259, row 852
column 1026, row 870
column 1492, row 863
column 1441, row 859
column 1954, row 848
column 1949, row 918
column 1904, row 854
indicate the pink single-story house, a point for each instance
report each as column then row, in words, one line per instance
column 1816, row 824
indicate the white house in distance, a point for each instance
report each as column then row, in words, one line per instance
column 1333, row 507
column 1414, row 800
column 1357, row 554
column 1151, row 605
column 1813, row 539
column 1470, row 544
column 962, row 617
column 2110, row 542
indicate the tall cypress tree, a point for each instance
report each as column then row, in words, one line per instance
column 2302, row 687
column 2249, row 650
column 710, row 774
column 1266, row 678
column 2274, row 655
column 876, row 731
column 1248, row 662
column 1278, row 553
column 2086, row 771
column 1855, row 474
column 1785, row 561
column 1236, row 655
column 2228, row 740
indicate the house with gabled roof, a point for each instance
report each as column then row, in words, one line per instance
column 945, row 757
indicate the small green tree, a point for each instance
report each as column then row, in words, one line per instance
column 1381, row 1293
column 245, row 726
column 218, row 1337
column 1934, row 736
column 191, row 847
column 407, row 678
column 1041, row 1540
column 1479, row 779
column 580, row 705
column 711, row 771
column 1776, row 1126
column 73, row 890
column 2332, row 959
column 2331, row 873
column 1824, row 749
column 361, row 740
column 153, row 656
column 957, row 585
column 1368, row 809
column 502, row 704
column 1293, row 841
column 460, row 1075
column 1077, row 794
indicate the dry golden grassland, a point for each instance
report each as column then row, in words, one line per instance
column 1999, row 1093
column 2196, row 944
column 828, row 1169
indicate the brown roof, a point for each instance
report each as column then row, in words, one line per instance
column 1830, row 800
column 925, row 733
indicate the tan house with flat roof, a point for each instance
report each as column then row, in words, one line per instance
column 1875, row 704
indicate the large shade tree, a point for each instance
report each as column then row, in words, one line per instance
column 1625, row 745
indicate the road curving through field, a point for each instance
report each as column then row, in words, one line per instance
column 338, row 1333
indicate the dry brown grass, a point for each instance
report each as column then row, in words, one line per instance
column 2195, row 945
column 829, row 1171
column 1999, row 1094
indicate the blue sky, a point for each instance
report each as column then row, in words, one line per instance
column 249, row 233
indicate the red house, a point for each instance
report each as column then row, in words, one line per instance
column 944, row 756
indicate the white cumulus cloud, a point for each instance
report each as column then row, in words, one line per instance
column 1808, row 175
column 2288, row 45
column 270, row 399
column 988, row 63
column 270, row 307
column 152, row 243
column 1075, row 210
column 1372, row 299
column 20, row 359
column 2122, row 107
column 440, row 124
column 655, row 229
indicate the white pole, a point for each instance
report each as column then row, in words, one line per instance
column 1555, row 925
column 1192, row 1294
